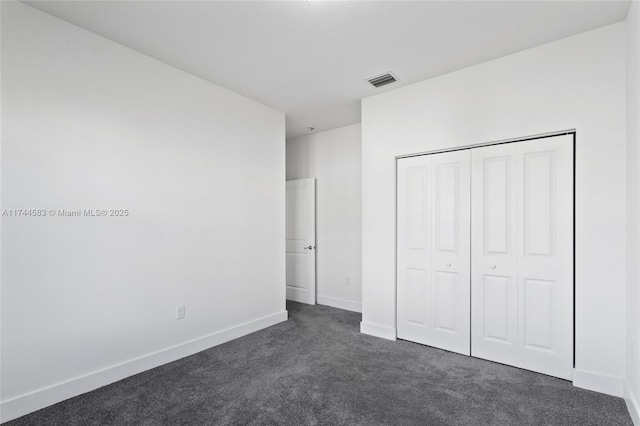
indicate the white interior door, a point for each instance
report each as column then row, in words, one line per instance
column 522, row 254
column 494, row 305
column 301, row 240
column 433, row 250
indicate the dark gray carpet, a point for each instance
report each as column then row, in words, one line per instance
column 317, row 369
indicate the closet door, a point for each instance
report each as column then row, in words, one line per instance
column 522, row 251
column 433, row 250
column 494, row 253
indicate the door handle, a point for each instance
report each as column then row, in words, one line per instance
column 309, row 248
column 492, row 266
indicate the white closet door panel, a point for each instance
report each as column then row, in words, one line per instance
column 450, row 195
column 545, row 256
column 414, row 255
column 494, row 254
column 522, row 254
column 433, row 250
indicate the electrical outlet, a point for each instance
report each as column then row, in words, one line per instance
column 181, row 312
column 347, row 281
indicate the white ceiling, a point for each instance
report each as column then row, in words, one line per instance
column 310, row 59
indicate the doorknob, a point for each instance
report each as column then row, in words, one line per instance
column 492, row 266
column 309, row 248
column 448, row 263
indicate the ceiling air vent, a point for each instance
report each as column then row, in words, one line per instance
column 382, row 80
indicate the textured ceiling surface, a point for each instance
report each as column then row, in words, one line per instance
column 311, row 59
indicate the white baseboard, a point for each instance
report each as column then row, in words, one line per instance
column 603, row 383
column 41, row 398
column 633, row 405
column 335, row 302
column 378, row 330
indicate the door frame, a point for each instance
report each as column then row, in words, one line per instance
column 571, row 132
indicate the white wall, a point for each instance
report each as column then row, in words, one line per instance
column 334, row 158
column 89, row 124
column 578, row 82
column 632, row 388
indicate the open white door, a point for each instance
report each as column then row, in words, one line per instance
column 301, row 240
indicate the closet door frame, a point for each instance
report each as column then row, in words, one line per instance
column 571, row 132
